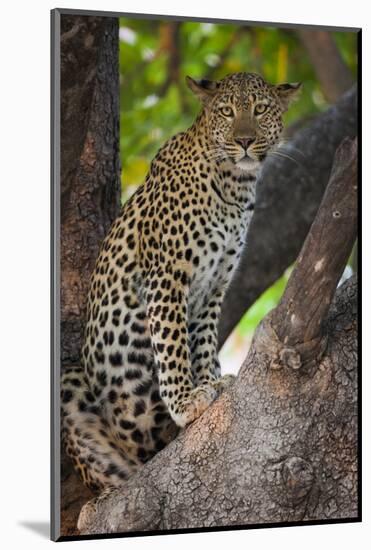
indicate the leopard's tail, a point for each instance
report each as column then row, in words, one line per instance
column 86, row 435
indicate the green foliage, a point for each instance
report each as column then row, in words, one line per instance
column 266, row 302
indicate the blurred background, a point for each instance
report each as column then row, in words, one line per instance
column 155, row 103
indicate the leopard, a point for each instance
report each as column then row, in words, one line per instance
column 149, row 361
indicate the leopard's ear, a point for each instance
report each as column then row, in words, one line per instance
column 203, row 89
column 288, row 93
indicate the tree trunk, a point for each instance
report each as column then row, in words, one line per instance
column 281, row 444
column 90, row 187
column 90, row 173
column 288, row 196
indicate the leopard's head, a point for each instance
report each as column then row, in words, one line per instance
column 243, row 115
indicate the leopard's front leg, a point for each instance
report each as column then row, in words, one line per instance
column 167, row 308
column 203, row 333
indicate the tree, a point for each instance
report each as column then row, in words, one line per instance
column 305, row 466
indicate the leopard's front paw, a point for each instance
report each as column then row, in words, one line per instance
column 194, row 405
column 224, row 382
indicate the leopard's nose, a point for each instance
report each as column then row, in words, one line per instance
column 245, row 142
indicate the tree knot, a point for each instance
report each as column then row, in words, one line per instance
column 298, row 477
column 289, row 357
column 279, row 354
column 289, row 481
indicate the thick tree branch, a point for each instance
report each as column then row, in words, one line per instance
column 324, row 255
column 298, row 319
column 280, row 445
column 288, row 196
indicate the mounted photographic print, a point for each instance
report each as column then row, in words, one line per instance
column 204, row 244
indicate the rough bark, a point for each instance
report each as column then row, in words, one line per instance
column 331, row 70
column 90, row 166
column 274, row 448
column 288, row 196
column 281, row 444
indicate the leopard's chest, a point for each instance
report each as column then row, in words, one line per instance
column 219, row 255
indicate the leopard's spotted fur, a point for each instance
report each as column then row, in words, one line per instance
column 150, row 353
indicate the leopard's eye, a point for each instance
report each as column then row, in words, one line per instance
column 260, row 108
column 226, row 111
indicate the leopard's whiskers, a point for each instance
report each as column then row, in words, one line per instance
column 285, row 142
column 284, row 155
column 215, row 153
